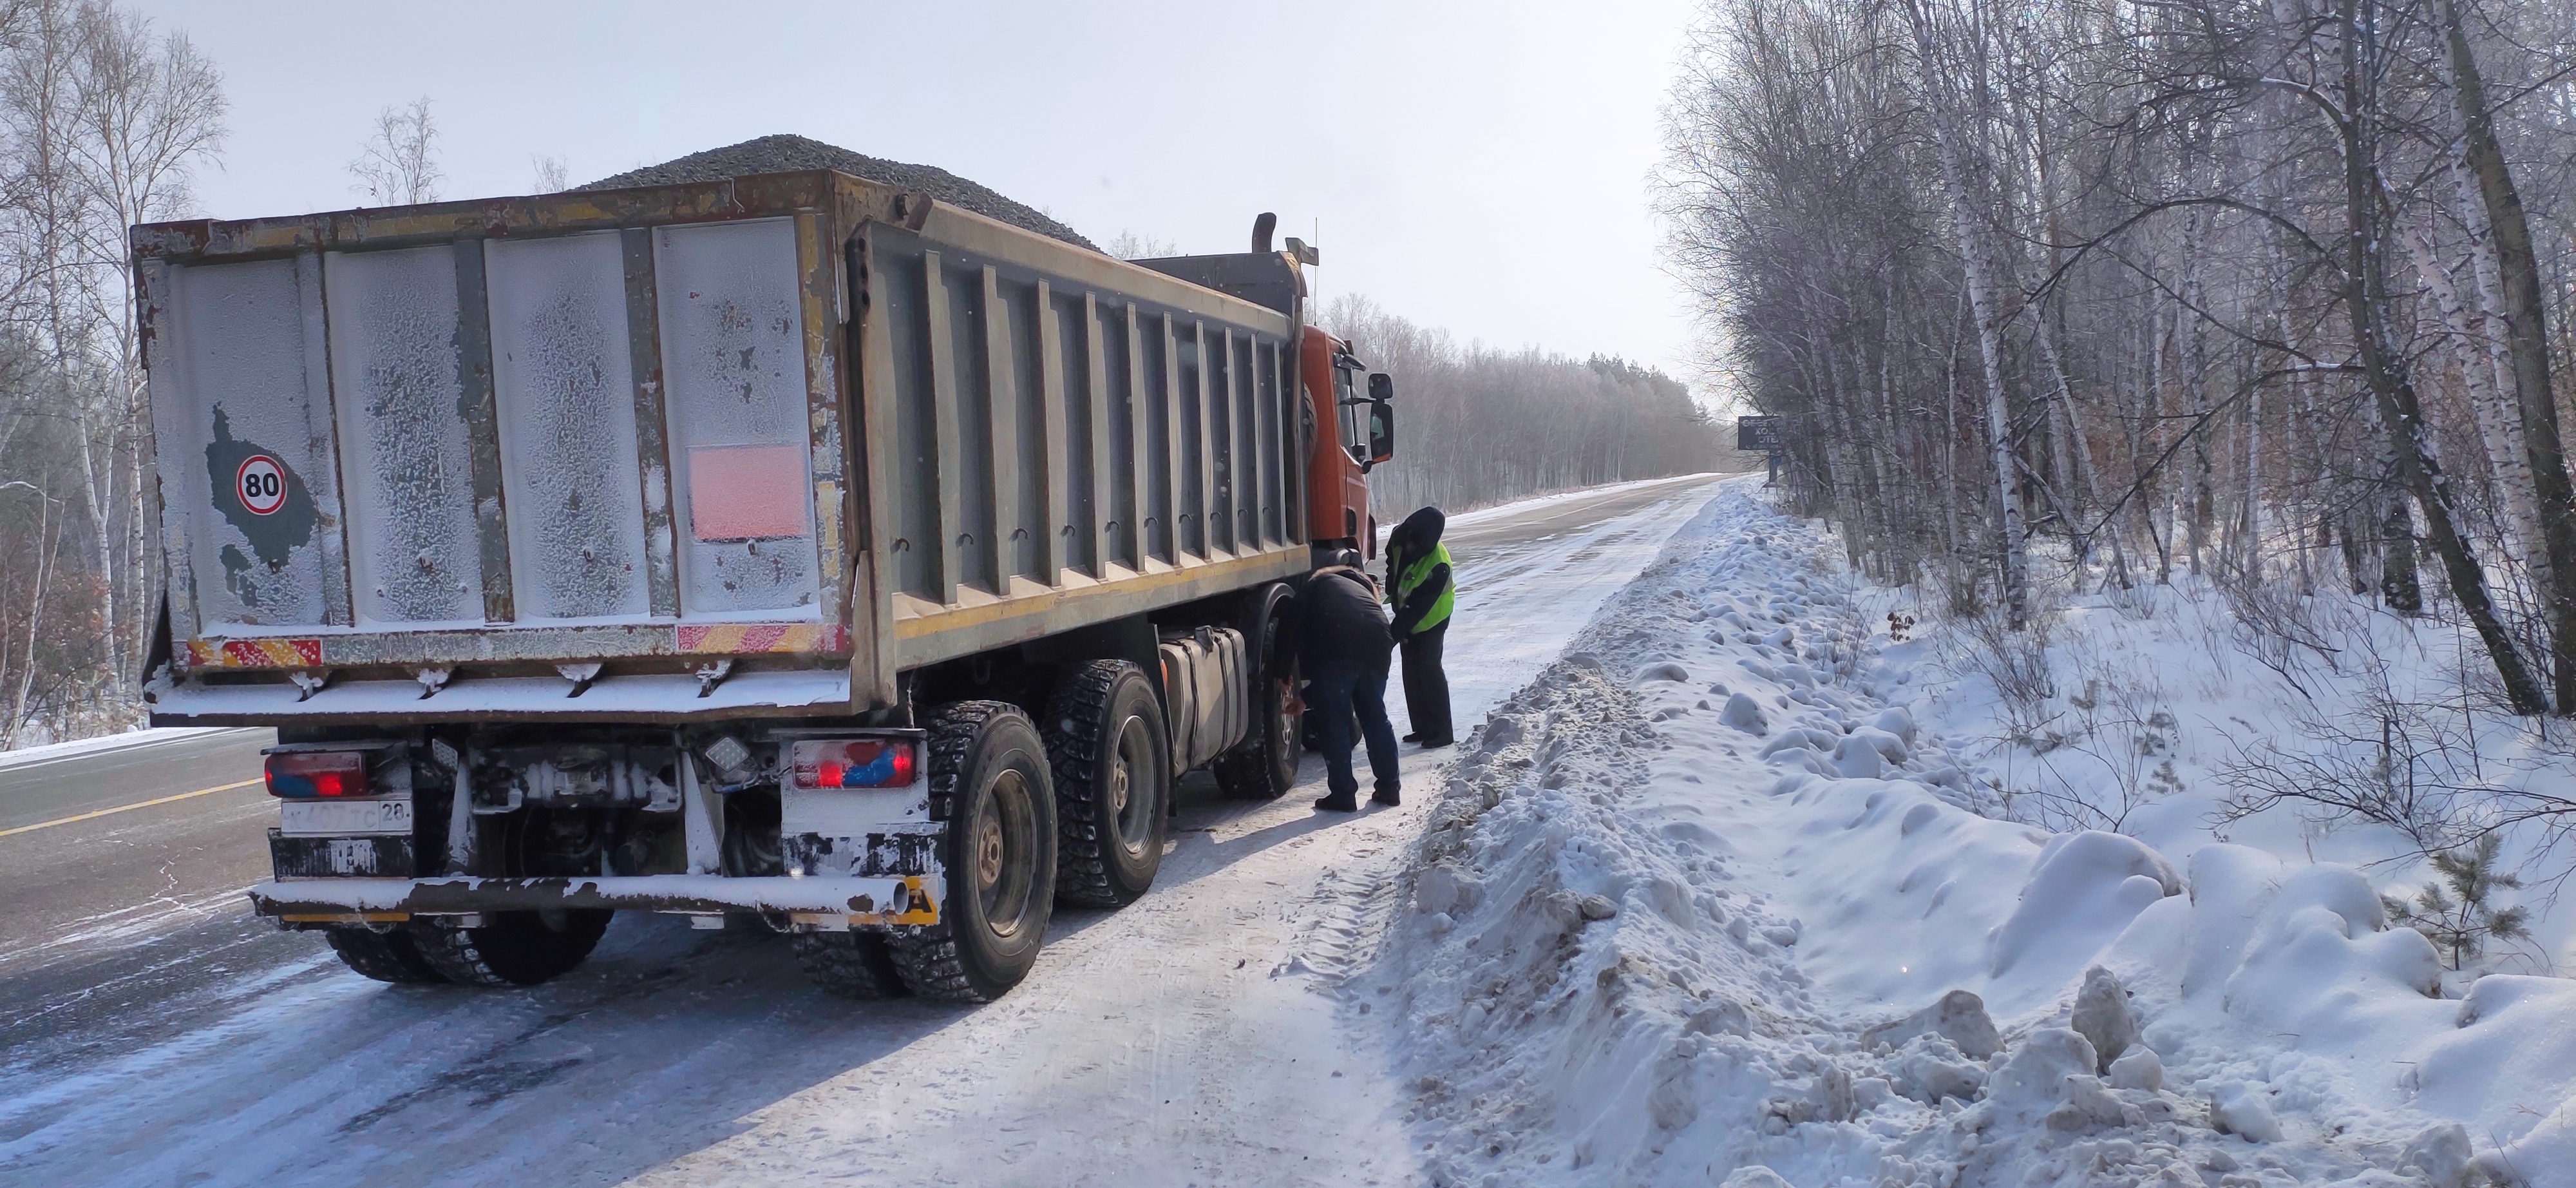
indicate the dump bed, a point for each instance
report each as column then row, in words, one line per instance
column 738, row 448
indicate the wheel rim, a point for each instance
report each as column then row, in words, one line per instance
column 1128, row 805
column 1005, row 830
column 1283, row 729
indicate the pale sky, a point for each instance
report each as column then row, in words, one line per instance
column 1478, row 167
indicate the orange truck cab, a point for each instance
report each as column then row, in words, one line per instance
column 1355, row 407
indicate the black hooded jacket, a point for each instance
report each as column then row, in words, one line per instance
column 1339, row 624
column 1411, row 541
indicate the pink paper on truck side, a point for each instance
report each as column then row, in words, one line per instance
column 747, row 492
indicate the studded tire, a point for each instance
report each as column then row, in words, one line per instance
column 990, row 783
column 1264, row 765
column 1112, row 763
column 510, row 948
column 389, row 956
column 855, row 964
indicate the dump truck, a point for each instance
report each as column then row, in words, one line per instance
column 786, row 550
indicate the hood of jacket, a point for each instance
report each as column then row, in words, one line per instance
column 1419, row 531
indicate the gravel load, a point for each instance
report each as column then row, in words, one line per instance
column 785, row 153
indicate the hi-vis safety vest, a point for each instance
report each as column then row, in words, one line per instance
column 1413, row 576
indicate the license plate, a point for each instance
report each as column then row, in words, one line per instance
column 852, row 812
column 344, row 818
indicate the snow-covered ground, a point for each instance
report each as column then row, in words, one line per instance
column 1711, row 901
column 82, row 748
column 1194, row 1037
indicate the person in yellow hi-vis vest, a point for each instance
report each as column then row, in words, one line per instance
column 1420, row 588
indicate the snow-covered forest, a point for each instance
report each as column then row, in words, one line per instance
column 2085, row 293
column 2077, row 298
column 1478, row 424
column 102, row 118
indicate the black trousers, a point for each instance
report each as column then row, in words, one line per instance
column 1426, row 686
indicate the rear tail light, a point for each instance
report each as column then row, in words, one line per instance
column 855, row 763
column 308, row 774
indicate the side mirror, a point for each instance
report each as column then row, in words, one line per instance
column 1381, row 430
column 1381, row 387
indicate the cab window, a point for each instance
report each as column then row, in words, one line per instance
column 1346, row 402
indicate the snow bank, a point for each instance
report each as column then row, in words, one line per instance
column 81, row 748
column 1704, row 904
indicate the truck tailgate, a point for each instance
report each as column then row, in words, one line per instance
column 524, row 435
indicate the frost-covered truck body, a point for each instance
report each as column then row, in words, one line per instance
column 773, row 545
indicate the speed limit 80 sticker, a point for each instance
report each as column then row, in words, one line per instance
column 261, row 483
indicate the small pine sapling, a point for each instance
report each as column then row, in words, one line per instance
column 2462, row 919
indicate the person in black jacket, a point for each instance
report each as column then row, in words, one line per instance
column 1344, row 649
column 1423, row 590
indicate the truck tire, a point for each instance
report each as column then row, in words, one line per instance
column 1112, row 766
column 388, row 956
column 854, row 964
column 989, row 768
column 510, row 948
column 1264, row 765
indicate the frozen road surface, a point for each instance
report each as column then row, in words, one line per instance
column 152, row 1032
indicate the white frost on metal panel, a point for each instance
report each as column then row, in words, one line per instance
column 671, row 693
column 241, row 356
column 733, row 363
column 414, row 557
column 564, row 384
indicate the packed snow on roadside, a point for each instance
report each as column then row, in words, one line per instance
column 1707, row 901
column 81, row 748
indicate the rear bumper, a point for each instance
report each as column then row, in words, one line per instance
column 823, row 901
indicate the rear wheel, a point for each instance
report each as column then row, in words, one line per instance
column 1264, row 765
column 988, row 770
column 388, row 956
column 1112, row 767
column 852, row 964
column 510, row 948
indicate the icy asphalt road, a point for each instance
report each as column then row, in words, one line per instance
column 151, row 1032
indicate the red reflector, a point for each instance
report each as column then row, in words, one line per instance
column 306, row 774
column 854, row 763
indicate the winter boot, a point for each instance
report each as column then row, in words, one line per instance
column 1339, row 802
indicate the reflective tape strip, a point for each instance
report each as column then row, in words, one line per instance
column 742, row 638
column 255, row 653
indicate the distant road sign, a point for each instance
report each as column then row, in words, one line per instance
column 1757, row 433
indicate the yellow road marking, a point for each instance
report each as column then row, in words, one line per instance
column 127, row 808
